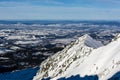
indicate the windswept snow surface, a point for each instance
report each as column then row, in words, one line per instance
column 70, row 58
column 83, row 57
column 104, row 61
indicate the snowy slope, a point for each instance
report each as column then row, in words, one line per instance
column 59, row 63
column 104, row 61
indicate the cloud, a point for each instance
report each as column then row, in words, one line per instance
column 53, row 2
column 12, row 4
column 114, row 1
column 76, row 13
column 67, row 3
column 59, row 9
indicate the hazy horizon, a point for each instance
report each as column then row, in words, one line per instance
column 59, row 10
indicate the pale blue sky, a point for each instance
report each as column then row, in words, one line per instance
column 60, row 9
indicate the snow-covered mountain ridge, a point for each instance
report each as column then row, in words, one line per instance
column 85, row 56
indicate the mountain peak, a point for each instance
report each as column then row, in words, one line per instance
column 86, row 36
column 60, row 62
column 89, row 41
column 80, row 58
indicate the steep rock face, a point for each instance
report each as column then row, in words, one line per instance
column 57, row 64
